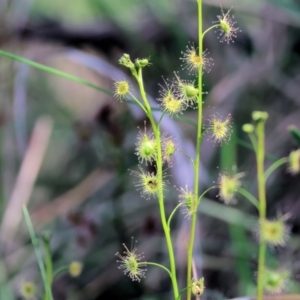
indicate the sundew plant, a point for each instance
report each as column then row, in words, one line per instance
column 155, row 148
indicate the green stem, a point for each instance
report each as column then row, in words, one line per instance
column 192, row 161
column 37, row 252
column 249, row 196
column 53, row 71
column 181, row 292
column 172, row 214
column 275, row 165
column 161, row 117
column 197, row 159
column 60, row 270
column 159, row 164
column 158, row 265
column 202, row 195
column 138, row 102
column 253, row 141
column 210, row 28
column 260, row 156
column 48, row 263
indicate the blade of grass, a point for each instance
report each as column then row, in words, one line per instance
column 54, row 71
column 38, row 253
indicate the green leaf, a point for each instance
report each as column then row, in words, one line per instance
column 295, row 133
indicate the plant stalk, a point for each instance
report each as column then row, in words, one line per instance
column 197, row 160
column 159, row 164
column 260, row 157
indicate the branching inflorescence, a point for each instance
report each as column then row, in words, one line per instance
column 158, row 149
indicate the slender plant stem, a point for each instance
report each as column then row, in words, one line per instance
column 138, row 102
column 37, row 252
column 158, row 265
column 172, row 214
column 275, row 165
column 48, row 263
column 197, row 159
column 202, row 195
column 192, row 161
column 209, row 29
column 159, row 164
column 253, row 141
column 260, row 157
column 60, row 270
column 249, row 196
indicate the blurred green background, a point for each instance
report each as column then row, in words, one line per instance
column 66, row 148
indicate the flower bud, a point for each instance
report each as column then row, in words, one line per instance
column 294, row 162
column 219, row 129
column 274, row 232
column 248, row 128
column 141, row 63
column 28, row 290
column 130, row 263
column 122, row 88
column 146, row 146
column 259, row 116
column 126, row 61
column 275, row 281
column 198, row 287
column 190, row 203
column 228, row 185
column 75, row 268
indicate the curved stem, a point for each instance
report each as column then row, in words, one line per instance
column 210, row 28
column 260, row 156
column 161, row 117
column 197, row 160
column 173, row 212
column 159, row 164
column 60, row 270
column 157, row 265
column 181, row 292
column 192, row 161
column 138, row 102
column 275, row 165
column 249, row 196
column 212, row 187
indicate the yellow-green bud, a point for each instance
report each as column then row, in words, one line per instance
column 274, row 232
column 75, row 268
column 294, row 162
column 141, row 63
column 198, row 287
column 28, row 290
column 275, row 281
column 260, row 116
column 248, row 128
column 126, row 61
